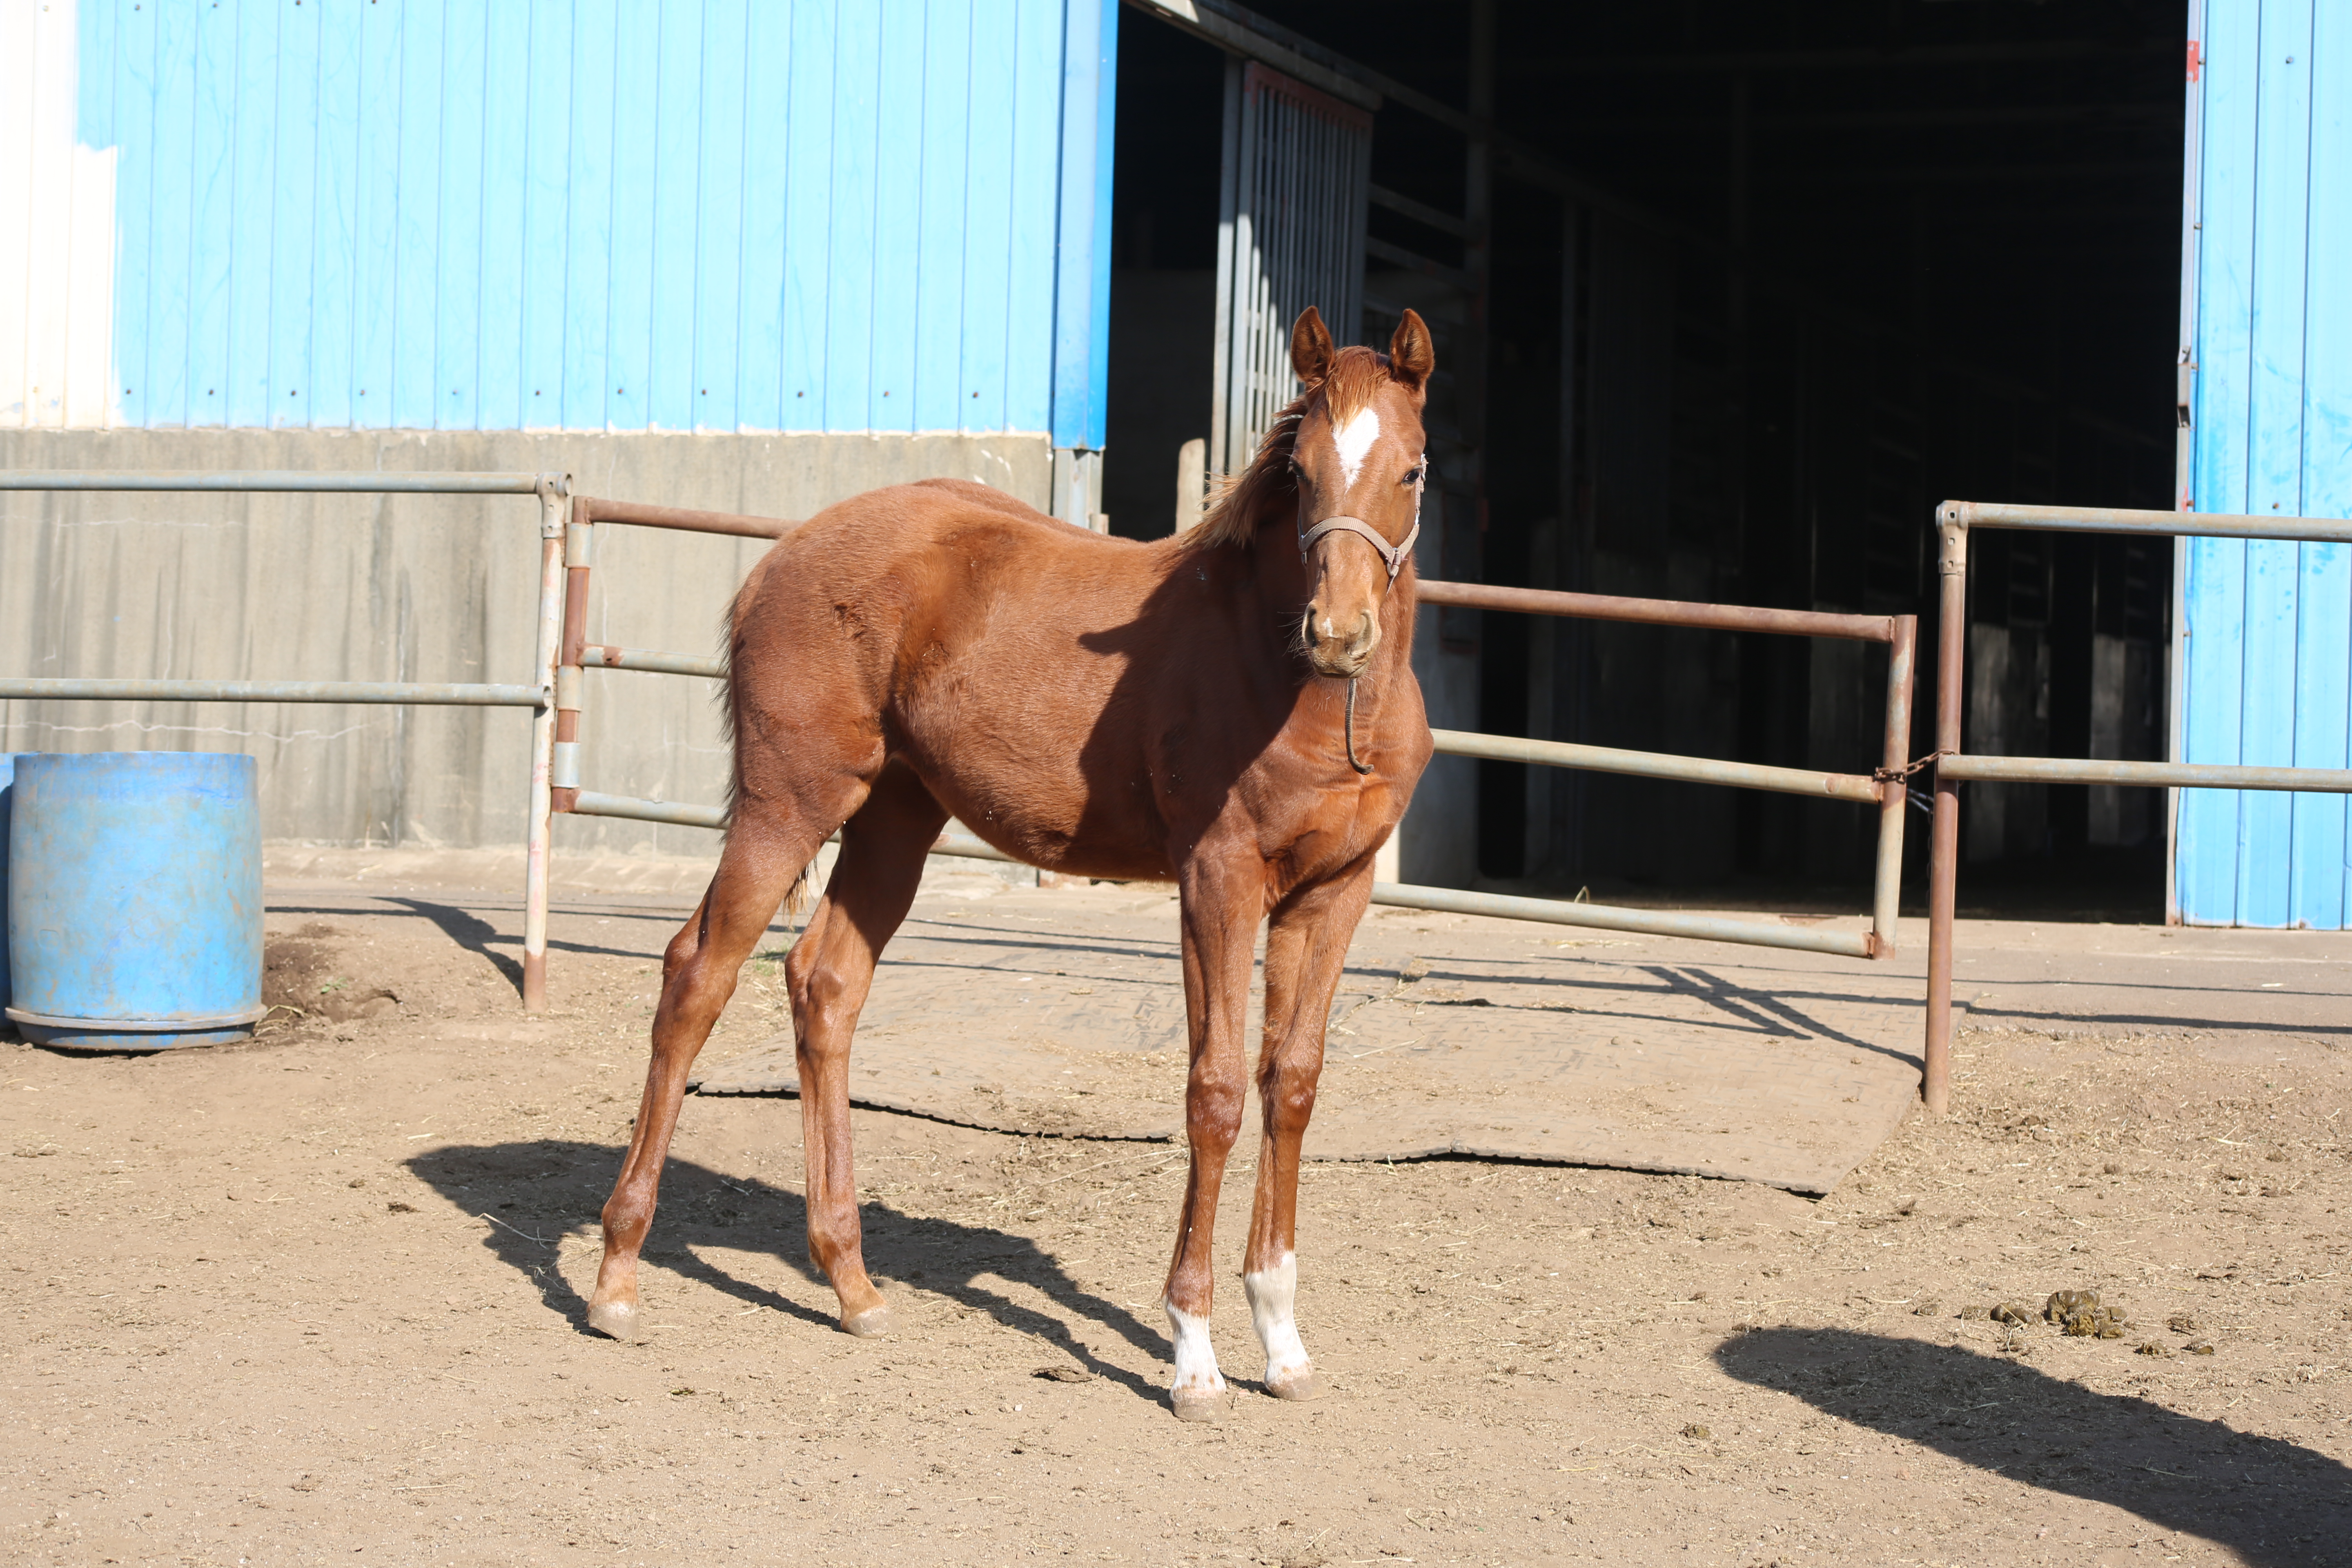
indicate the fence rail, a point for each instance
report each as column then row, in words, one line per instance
column 277, row 481
column 1860, row 788
column 423, row 694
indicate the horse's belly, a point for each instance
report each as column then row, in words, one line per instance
column 1049, row 814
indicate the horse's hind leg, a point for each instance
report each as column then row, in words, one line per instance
column 767, row 848
column 831, row 969
column 1306, row 949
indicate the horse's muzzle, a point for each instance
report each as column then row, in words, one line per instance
column 1332, row 652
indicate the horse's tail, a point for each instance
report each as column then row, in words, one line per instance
column 796, row 897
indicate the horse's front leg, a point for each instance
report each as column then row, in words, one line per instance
column 1224, row 899
column 1305, row 950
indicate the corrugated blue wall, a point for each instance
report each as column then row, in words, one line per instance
column 2267, row 676
column 608, row 215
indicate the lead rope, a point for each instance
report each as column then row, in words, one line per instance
column 1359, row 767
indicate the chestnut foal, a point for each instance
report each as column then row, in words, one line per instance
column 1233, row 707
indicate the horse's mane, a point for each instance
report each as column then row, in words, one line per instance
column 1244, row 501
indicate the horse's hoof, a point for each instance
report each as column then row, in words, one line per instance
column 1300, row 1384
column 1198, row 1404
column 617, row 1319
column 869, row 1324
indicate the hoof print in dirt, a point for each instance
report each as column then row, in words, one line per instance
column 1928, row 1309
column 1063, row 1375
column 2182, row 1323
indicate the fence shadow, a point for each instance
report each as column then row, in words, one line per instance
column 534, row 1190
column 2272, row 1501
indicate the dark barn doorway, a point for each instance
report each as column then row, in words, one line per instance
column 1163, row 268
column 1758, row 287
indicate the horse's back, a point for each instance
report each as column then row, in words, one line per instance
column 952, row 548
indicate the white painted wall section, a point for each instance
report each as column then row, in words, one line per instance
column 57, row 231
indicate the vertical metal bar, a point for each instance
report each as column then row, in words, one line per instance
column 1221, row 406
column 1902, row 661
column 1246, row 279
column 1944, row 858
column 554, row 492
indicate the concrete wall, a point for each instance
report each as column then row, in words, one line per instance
column 410, row 588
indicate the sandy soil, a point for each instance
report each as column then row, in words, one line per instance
column 321, row 1298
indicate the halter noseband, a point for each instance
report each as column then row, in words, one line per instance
column 1393, row 555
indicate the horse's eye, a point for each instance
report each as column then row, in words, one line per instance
column 1411, row 475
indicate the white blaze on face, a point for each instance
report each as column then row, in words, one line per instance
column 1196, row 1359
column 1352, row 440
column 1273, row 1294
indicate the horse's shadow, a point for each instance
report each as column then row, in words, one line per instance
column 533, row 1192
column 2271, row 1501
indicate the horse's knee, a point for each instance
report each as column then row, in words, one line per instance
column 1212, row 1113
column 1290, row 1100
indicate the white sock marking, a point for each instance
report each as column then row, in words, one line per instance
column 1354, row 439
column 1272, row 1295
column 1196, row 1359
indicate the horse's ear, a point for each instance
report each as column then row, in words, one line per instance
column 1411, row 356
column 1311, row 348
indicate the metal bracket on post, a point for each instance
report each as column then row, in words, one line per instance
column 1944, row 854
column 554, row 505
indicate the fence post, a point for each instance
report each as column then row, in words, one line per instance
column 1943, row 865
column 1902, row 673
column 554, row 508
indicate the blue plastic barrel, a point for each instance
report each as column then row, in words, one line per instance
column 7, row 793
column 134, row 900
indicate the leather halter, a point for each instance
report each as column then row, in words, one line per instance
column 1393, row 555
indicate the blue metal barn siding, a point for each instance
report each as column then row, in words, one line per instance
column 745, row 216
column 2266, row 628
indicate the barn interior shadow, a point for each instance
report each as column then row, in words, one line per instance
column 534, row 1191
column 2272, row 1501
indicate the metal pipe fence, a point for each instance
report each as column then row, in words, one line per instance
column 1953, row 520
column 553, row 490
column 1884, row 789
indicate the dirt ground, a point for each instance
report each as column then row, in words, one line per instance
column 321, row 1299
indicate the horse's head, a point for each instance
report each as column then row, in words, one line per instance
column 1358, row 457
